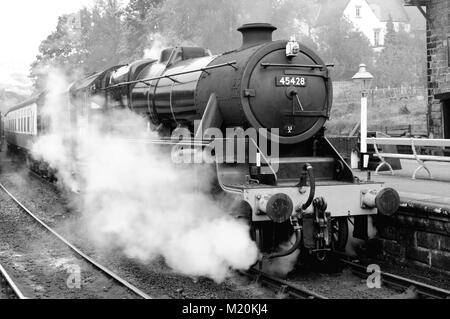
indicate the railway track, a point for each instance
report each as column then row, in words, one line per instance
column 42, row 179
column 277, row 285
column 120, row 281
column 11, row 289
column 395, row 281
column 281, row 286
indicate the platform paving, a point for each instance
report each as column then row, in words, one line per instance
column 435, row 192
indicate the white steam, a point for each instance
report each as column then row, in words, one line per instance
column 282, row 266
column 158, row 44
column 135, row 199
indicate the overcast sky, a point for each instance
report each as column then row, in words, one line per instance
column 23, row 26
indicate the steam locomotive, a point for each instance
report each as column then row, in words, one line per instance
column 307, row 190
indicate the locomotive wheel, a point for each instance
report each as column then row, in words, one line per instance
column 339, row 233
column 257, row 235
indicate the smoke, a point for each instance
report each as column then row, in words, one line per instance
column 282, row 266
column 134, row 198
column 158, row 44
column 54, row 146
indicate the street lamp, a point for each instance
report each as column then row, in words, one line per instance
column 364, row 79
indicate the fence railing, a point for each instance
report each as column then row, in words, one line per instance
column 413, row 143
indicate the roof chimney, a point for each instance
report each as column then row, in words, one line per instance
column 256, row 33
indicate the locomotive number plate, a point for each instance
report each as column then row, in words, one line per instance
column 290, row 81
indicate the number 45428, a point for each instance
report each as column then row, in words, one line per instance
column 291, row 81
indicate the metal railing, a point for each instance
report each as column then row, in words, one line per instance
column 413, row 143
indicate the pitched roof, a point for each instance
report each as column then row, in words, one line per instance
column 330, row 10
column 393, row 8
column 383, row 9
column 416, row 19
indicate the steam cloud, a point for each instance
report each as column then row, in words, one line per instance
column 135, row 199
column 158, row 44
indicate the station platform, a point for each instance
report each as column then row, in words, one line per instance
column 433, row 192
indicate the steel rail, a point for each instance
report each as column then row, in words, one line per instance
column 103, row 269
column 423, row 289
column 17, row 293
column 281, row 285
column 40, row 178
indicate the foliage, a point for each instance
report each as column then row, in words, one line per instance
column 64, row 48
column 111, row 34
column 140, row 21
column 403, row 60
column 207, row 23
column 340, row 44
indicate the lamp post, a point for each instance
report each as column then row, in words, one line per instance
column 364, row 80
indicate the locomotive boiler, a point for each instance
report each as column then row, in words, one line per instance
column 307, row 190
column 257, row 85
column 297, row 187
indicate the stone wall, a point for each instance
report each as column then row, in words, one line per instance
column 438, row 76
column 418, row 234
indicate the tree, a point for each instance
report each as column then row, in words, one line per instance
column 141, row 20
column 82, row 48
column 402, row 61
column 105, row 37
column 213, row 23
column 294, row 17
column 64, row 49
column 109, row 35
column 207, row 23
column 340, row 44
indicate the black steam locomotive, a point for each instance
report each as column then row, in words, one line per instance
column 308, row 190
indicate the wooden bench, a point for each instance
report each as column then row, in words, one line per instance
column 413, row 143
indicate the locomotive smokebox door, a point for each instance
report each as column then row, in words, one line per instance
column 291, row 94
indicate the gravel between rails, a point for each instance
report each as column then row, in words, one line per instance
column 43, row 266
column 154, row 278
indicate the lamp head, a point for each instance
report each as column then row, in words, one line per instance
column 363, row 78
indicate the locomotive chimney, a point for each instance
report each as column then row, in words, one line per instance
column 256, row 33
